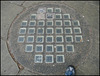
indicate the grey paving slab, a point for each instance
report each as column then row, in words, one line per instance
column 96, row 3
column 8, row 66
column 90, row 67
column 91, row 63
column 30, row 3
column 26, row 72
column 8, row 13
column 79, row 72
column 17, row 2
column 92, row 17
column 76, row 5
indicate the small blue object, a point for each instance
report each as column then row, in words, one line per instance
column 70, row 71
column 41, row 10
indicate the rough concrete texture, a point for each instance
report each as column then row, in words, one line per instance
column 8, row 66
column 8, row 13
column 17, row 2
column 91, row 14
column 30, row 3
column 90, row 11
column 26, row 72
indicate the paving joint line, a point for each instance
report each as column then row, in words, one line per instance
column 22, row 3
column 18, row 5
column 2, row 38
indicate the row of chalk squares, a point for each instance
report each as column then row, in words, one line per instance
column 49, row 48
column 50, row 30
column 51, row 23
column 50, row 39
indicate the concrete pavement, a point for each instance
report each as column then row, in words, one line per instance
column 90, row 11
